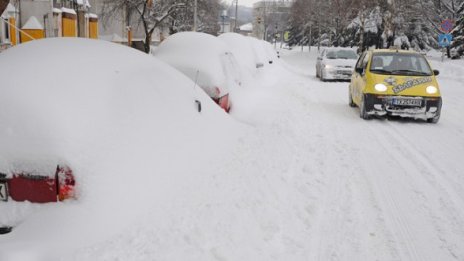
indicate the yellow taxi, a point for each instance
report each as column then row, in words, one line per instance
column 392, row 82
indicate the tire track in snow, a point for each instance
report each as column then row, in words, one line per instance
column 447, row 217
column 340, row 226
column 401, row 228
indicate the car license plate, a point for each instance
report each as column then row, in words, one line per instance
column 407, row 102
column 3, row 192
column 344, row 72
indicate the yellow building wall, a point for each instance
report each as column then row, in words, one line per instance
column 69, row 27
column 13, row 38
column 93, row 30
column 35, row 33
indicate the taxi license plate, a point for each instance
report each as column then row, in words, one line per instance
column 407, row 102
column 3, row 191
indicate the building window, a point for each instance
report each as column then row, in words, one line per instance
column 7, row 29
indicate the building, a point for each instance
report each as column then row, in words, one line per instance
column 8, row 27
column 270, row 19
column 115, row 25
column 26, row 20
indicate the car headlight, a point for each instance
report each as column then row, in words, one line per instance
column 431, row 90
column 328, row 66
column 380, row 87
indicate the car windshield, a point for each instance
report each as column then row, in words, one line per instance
column 342, row 54
column 400, row 64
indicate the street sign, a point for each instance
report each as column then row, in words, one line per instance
column 286, row 36
column 444, row 40
column 446, row 26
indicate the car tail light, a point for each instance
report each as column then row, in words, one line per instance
column 65, row 182
column 37, row 188
column 224, row 102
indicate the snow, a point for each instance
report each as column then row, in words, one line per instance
column 68, row 10
column 90, row 15
column 292, row 174
column 243, row 52
column 113, row 38
column 33, row 24
column 218, row 69
column 247, row 27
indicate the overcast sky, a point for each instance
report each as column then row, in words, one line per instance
column 244, row 2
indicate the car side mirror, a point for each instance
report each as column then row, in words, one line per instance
column 359, row 70
column 436, row 72
column 259, row 65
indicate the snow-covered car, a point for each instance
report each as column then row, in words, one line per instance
column 261, row 56
column 270, row 52
column 389, row 82
column 29, row 182
column 336, row 63
column 109, row 120
column 243, row 52
column 206, row 60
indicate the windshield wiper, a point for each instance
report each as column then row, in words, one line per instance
column 381, row 71
column 410, row 72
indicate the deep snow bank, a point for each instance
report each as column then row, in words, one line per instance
column 125, row 122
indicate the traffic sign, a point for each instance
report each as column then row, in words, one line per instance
column 446, row 25
column 444, row 40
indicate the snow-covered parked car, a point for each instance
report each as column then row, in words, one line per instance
column 336, row 63
column 108, row 119
column 206, row 60
column 243, row 51
column 261, row 56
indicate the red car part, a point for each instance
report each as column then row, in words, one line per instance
column 42, row 189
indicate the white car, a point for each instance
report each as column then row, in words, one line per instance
column 206, row 60
column 336, row 64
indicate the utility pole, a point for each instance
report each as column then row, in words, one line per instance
column 195, row 6
column 236, row 15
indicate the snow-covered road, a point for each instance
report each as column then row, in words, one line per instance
column 291, row 174
column 372, row 190
column 310, row 180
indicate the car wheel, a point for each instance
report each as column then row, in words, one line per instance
column 5, row 230
column 322, row 76
column 434, row 119
column 350, row 99
column 362, row 110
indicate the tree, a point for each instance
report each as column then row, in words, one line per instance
column 207, row 18
column 150, row 13
column 458, row 31
column 3, row 5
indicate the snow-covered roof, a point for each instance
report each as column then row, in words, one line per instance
column 9, row 9
column 82, row 2
column 69, row 11
column 33, row 24
column 91, row 15
column 247, row 27
column 56, row 10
